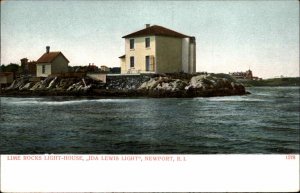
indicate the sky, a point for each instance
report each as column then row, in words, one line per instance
column 230, row 35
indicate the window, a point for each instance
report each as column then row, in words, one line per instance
column 147, row 59
column 131, row 61
column 43, row 69
column 147, row 42
column 131, row 43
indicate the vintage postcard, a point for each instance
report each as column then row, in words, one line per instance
column 155, row 96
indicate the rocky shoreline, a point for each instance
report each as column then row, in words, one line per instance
column 178, row 85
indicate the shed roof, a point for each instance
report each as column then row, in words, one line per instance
column 49, row 57
column 156, row 30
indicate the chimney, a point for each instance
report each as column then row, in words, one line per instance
column 47, row 49
column 24, row 61
column 147, row 25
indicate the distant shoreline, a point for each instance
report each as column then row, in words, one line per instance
column 291, row 81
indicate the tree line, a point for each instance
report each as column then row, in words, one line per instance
column 15, row 68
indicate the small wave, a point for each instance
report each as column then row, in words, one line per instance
column 15, row 99
column 40, row 101
column 263, row 94
column 234, row 98
column 213, row 136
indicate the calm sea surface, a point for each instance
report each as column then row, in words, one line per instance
column 267, row 121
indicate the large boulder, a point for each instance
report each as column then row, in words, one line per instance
column 171, row 85
column 65, row 83
column 52, row 83
column 38, row 86
column 27, row 86
column 202, row 82
column 151, row 84
column 79, row 86
column 163, row 83
column 223, row 83
column 214, row 85
column 17, row 84
column 238, row 87
column 75, row 87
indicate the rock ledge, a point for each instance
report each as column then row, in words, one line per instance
column 157, row 85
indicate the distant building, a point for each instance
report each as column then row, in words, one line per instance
column 85, row 69
column 92, row 68
column 104, row 68
column 51, row 63
column 6, row 78
column 242, row 75
column 28, row 68
column 156, row 49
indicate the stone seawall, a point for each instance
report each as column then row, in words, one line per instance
column 126, row 82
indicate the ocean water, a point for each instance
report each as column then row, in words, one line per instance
column 264, row 122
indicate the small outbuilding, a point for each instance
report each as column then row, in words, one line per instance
column 6, row 78
column 51, row 63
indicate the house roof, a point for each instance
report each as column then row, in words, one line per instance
column 49, row 57
column 156, row 30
